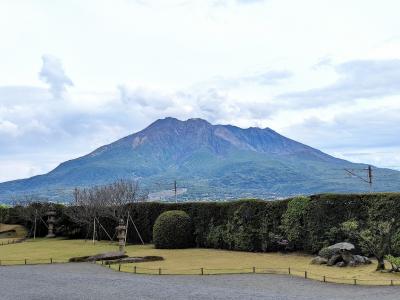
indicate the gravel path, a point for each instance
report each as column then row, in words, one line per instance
column 88, row 281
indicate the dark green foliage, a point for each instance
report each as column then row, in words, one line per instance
column 250, row 225
column 325, row 215
column 394, row 261
column 172, row 230
column 327, row 252
column 4, row 211
column 327, row 212
column 294, row 223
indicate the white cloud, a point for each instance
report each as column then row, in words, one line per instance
column 8, row 128
column 327, row 76
column 53, row 74
column 144, row 97
column 359, row 79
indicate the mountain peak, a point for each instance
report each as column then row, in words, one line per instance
column 211, row 161
column 175, row 121
column 166, row 120
column 197, row 120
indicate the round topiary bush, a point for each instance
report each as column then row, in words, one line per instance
column 172, row 230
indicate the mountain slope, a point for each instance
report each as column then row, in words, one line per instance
column 210, row 161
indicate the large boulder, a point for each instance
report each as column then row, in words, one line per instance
column 359, row 260
column 319, row 261
column 340, row 255
column 347, row 257
column 334, row 260
column 343, row 246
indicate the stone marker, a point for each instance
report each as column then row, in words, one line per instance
column 121, row 235
column 50, row 221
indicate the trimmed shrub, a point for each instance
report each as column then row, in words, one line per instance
column 172, row 230
column 294, row 220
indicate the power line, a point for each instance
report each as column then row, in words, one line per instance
column 369, row 175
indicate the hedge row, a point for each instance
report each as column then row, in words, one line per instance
column 326, row 212
column 248, row 225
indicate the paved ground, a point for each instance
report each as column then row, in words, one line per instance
column 87, row 281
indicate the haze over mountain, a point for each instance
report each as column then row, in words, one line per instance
column 207, row 162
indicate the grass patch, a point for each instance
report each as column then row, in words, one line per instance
column 190, row 261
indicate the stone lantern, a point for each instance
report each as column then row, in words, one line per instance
column 121, row 235
column 50, row 221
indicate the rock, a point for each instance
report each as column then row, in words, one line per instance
column 334, row 260
column 100, row 256
column 107, row 256
column 319, row 261
column 342, row 246
column 359, row 259
column 133, row 260
column 347, row 256
column 340, row 255
column 340, row 264
column 352, row 264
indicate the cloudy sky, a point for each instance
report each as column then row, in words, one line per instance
column 78, row 74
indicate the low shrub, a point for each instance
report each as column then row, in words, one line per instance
column 327, row 252
column 172, row 230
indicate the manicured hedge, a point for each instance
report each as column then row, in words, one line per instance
column 172, row 230
column 250, row 225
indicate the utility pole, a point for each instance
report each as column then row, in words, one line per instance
column 176, row 200
column 34, row 230
column 369, row 176
column 94, row 229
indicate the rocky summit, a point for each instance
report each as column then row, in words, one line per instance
column 206, row 162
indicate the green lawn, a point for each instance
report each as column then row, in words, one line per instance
column 190, row 261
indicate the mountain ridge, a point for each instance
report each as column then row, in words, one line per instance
column 211, row 161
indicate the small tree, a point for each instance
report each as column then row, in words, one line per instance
column 31, row 209
column 377, row 238
column 85, row 208
column 106, row 201
column 118, row 195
